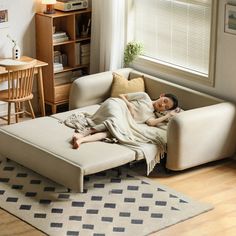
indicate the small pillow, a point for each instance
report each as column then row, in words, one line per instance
column 121, row 85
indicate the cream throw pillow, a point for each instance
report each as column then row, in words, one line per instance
column 121, row 85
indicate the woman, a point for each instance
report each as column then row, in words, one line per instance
column 141, row 108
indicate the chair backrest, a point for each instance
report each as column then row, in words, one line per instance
column 20, row 80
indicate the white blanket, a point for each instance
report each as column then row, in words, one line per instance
column 113, row 115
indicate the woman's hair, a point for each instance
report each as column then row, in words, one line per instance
column 174, row 99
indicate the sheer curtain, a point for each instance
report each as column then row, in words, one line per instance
column 108, row 35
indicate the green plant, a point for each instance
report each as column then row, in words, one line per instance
column 132, row 50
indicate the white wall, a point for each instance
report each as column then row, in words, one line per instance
column 225, row 75
column 21, row 26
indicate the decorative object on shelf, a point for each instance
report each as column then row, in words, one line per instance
column 132, row 50
column 16, row 52
column 85, row 30
column 71, row 5
column 49, row 6
column 230, row 19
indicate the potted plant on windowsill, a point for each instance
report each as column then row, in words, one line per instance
column 132, row 50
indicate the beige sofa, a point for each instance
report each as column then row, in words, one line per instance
column 204, row 132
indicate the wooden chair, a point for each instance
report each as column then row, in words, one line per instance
column 20, row 84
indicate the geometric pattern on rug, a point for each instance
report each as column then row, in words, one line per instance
column 110, row 205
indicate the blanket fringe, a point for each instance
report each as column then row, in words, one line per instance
column 156, row 160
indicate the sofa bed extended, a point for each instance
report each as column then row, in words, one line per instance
column 204, row 132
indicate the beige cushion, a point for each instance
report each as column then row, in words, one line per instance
column 121, row 85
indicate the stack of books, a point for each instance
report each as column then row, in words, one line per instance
column 60, row 36
column 57, row 67
column 85, row 53
column 60, row 58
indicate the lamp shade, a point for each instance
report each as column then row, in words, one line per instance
column 49, row 1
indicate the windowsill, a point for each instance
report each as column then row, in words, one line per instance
column 167, row 71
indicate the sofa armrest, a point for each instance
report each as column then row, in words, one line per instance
column 201, row 135
column 90, row 89
column 93, row 89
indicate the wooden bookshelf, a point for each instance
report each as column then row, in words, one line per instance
column 73, row 24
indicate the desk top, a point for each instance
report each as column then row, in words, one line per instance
column 26, row 59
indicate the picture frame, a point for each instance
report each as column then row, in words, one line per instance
column 4, row 21
column 230, row 19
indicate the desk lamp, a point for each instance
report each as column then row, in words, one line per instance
column 49, row 6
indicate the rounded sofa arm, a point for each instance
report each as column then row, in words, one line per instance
column 90, row 89
column 93, row 89
column 201, row 135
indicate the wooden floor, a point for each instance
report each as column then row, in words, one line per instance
column 214, row 183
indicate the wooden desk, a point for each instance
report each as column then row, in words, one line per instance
column 38, row 72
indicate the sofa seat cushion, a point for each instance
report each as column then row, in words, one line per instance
column 44, row 140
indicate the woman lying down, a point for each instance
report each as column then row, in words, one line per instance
column 131, row 120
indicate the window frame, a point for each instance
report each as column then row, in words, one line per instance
column 168, row 70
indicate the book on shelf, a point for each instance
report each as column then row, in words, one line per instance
column 59, row 34
column 85, row 60
column 85, row 54
column 57, row 67
column 60, row 58
column 59, row 37
column 77, row 53
column 60, row 40
column 85, row 47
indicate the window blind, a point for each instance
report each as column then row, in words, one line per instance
column 176, row 32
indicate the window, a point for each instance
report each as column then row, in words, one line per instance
column 178, row 35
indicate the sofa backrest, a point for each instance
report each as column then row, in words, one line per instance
column 96, row 88
column 188, row 98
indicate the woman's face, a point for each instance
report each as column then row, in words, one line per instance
column 163, row 103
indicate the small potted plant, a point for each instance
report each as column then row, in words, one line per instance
column 132, row 50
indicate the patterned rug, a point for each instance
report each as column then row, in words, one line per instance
column 110, row 205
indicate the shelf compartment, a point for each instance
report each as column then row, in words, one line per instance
column 61, row 92
column 65, row 24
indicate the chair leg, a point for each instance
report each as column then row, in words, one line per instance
column 16, row 111
column 9, row 113
column 31, row 109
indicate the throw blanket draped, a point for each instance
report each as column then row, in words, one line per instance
column 113, row 115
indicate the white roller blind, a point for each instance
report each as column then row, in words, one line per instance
column 175, row 31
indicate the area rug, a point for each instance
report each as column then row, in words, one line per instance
column 111, row 204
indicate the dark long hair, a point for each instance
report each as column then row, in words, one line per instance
column 174, row 99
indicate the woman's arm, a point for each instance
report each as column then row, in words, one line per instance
column 128, row 104
column 157, row 121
